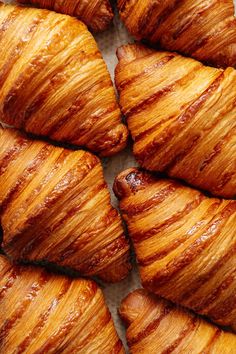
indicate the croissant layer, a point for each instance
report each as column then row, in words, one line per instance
column 55, row 207
column 158, row 326
column 45, row 313
column 54, row 81
column 205, row 30
column 185, row 243
column 97, row 14
column 181, row 115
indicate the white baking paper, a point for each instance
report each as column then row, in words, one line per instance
column 108, row 43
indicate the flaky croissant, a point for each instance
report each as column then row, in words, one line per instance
column 181, row 115
column 54, row 81
column 45, row 313
column 157, row 326
column 205, row 30
column 55, row 207
column 97, row 14
column 185, row 243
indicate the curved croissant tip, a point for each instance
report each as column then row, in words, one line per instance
column 127, row 52
column 124, row 182
column 101, row 21
column 131, row 306
column 120, row 52
column 118, row 270
column 131, row 181
column 120, row 140
column 131, row 51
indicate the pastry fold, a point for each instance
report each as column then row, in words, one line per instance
column 184, row 241
column 158, row 326
column 205, row 30
column 96, row 14
column 181, row 115
column 54, row 81
column 55, row 207
column 45, row 313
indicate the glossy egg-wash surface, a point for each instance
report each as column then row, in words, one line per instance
column 55, row 207
column 181, row 115
column 157, row 326
column 42, row 312
column 202, row 29
column 184, row 242
column 97, row 14
column 54, row 81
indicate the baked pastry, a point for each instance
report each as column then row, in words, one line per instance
column 185, row 243
column 205, row 30
column 55, row 207
column 181, row 115
column 54, row 81
column 157, row 326
column 45, row 313
column 97, row 14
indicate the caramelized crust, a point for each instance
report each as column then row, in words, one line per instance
column 55, row 207
column 185, row 243
column 54, row 81
column 157, row 326
column 45, row 313
column 97, row 14
column 205, row 30
column 181, row 115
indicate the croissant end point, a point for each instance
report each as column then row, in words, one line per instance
column 131, row 304
column 123, row 185
column 122, row 132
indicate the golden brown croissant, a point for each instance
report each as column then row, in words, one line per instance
column 45, row 313
column 205, row 30
column 185, row 243
column 157, row 326
column 181, row 115
column 97, row 14
column 55, row 207
column 54, row 81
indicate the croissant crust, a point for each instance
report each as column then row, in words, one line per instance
column 205, row 30
column 45, row 313
column 181, row 115
column 54, row 81
column 185, row 243
column 157, row 326
column 97, row 14
column 55, row 207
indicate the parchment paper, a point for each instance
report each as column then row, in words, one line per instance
column 108, row 43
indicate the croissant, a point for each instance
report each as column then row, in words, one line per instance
column 205, row 30
column 181, row 115
column 55, row 207
column 45, row 313
column 185, row 243
column 157, row 326
column 54, row 82
column 97, row 14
